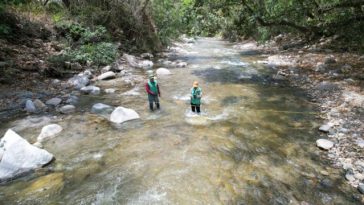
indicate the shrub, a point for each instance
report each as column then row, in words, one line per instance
column 77, row 33
column 99, row 54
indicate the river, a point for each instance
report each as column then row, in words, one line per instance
column 254, row 143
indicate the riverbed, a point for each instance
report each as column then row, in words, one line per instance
column 254, row 142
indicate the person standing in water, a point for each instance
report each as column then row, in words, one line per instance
column 153, row 91
column 196, row 94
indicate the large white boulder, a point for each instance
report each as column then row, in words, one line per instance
column 121, row 114
column 106, row 76
column 163, row 71
column 49, row 131
column 324, row 144
column 20, row 157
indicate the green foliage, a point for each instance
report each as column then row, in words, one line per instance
column 4, row 30
column 75, row 32
column 98, row 54
column 85, row 45
column 54, row 7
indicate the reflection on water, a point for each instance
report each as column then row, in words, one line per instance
column 253, row 144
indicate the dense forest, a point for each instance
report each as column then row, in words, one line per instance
column 95, row 31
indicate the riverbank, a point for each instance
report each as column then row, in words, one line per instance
column 334, row 81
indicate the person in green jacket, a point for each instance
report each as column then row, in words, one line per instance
column 153, row 92
column 196, row 94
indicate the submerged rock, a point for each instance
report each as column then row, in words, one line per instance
column 44, row 186
column 49, row 131
column 121, row 114
column 101, row 108
column 73, row 100
column 324, row 144
column 20, row 157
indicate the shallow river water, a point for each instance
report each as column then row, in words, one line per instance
column 253, row 144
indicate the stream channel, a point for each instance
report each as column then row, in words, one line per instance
column 254, row 142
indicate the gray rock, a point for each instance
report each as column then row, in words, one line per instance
column 145, row 64
column 40, row 105
column 325, row 128
column 49, row 131
column 181, row 64
column 327, row 86
column 350, row 177
column 90, row 90
column 361, row 188
column 73, row 100
column 329, row 60
column 147, row 56
column 30, row 107
column 343, row 130
column 121, row 114
column 79, row 81
column 101, row 108
column 320, row 67
column 163, row 71
column 346, row 69
column 54, row 101
column 110, row 90
column 134, row 62
column 20, row 157
column 87, row 73
column 56, row 82
column 67, row 109
column 24, row 94
column 326, row 183
column 106, row 76
column 106, row 69
column 324, row 144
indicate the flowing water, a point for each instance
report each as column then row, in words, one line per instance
column 254, row 143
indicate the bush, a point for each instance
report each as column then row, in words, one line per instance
column 98, row 54
column 77, row 33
